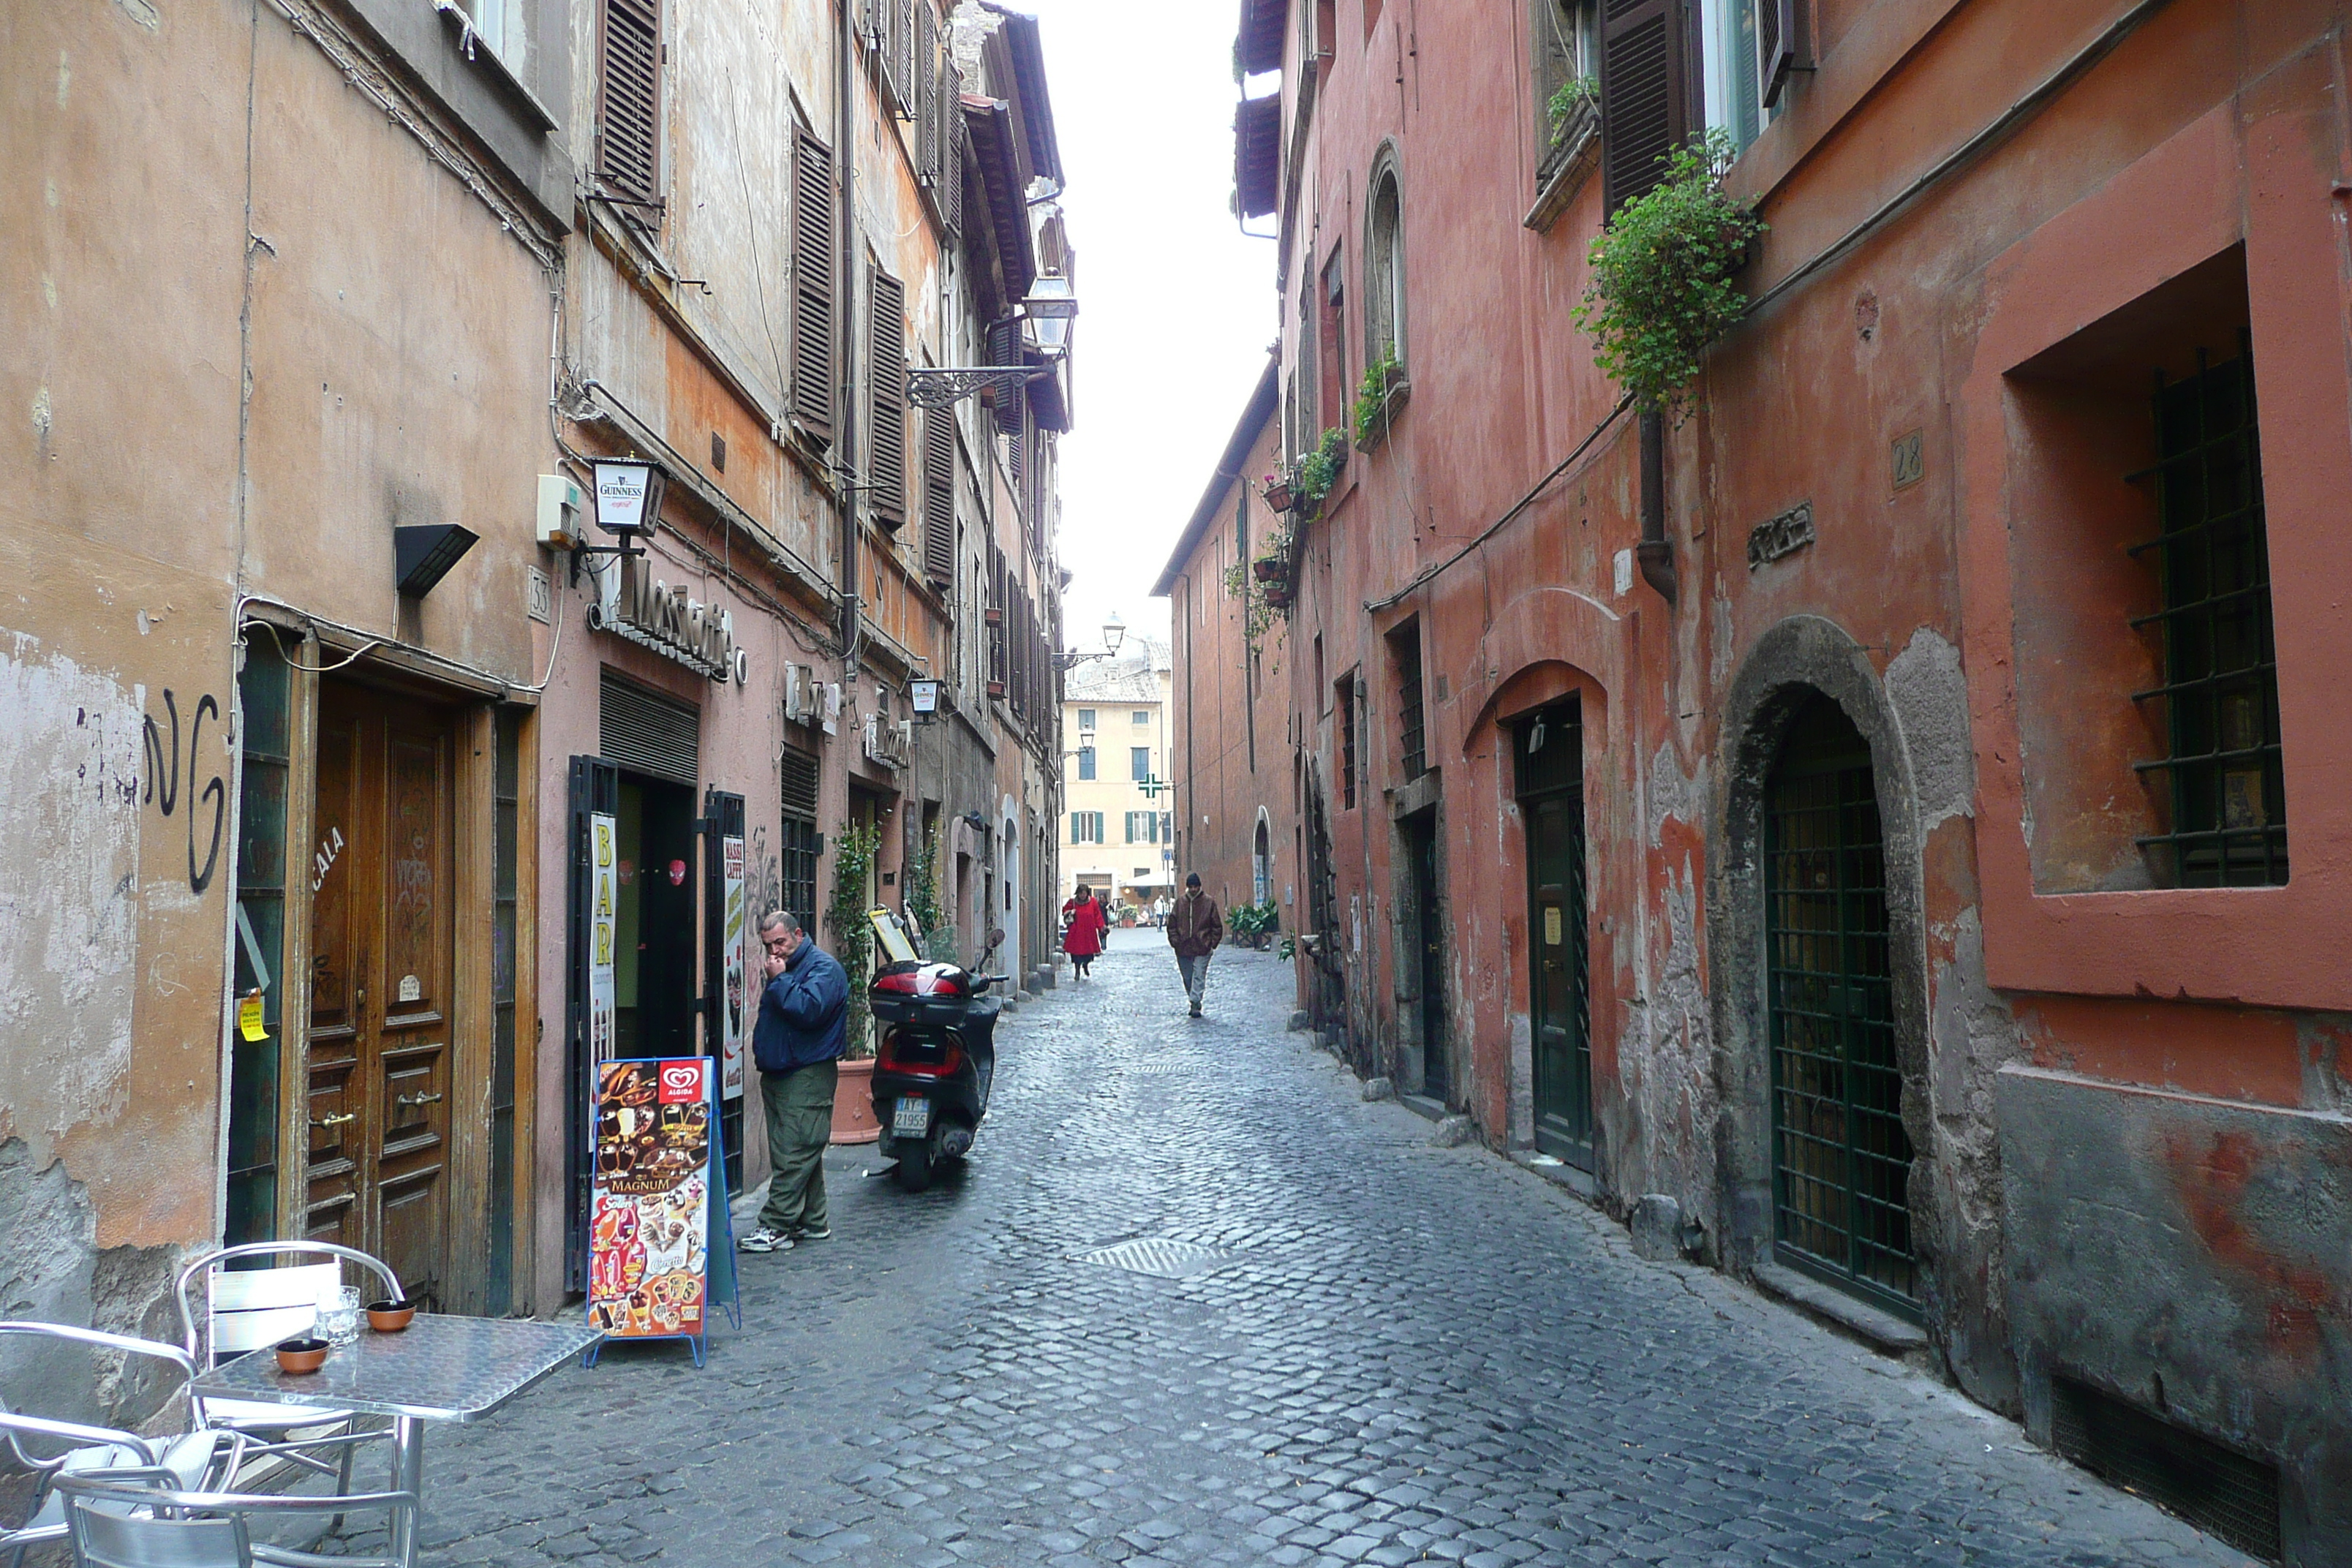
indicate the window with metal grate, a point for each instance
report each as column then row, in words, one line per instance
column 2221, row 663
column 1405, row 645
column 646, row 731
column 2215, row 1489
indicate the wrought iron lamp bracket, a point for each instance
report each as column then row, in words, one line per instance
column 933, row 387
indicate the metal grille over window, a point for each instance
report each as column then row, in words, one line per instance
column 813, row 227
column 1842, row 1159
column 647, row 732
column 2209, row 1485
column 1409, row 712
column 1348, row 745
column 628, row 127
column 796, row 867
column 2220, row 665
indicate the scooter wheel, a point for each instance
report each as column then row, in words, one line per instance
column 914, row 1173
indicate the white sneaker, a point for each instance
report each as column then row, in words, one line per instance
column 764, row 1240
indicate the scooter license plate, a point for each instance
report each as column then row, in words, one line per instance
column 912, row 1118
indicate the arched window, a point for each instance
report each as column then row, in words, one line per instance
column 1384, row 335
column 1262, row 868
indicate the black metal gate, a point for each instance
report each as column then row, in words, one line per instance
column 1842, row 1161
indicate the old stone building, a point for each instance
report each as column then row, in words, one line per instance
column 1118, row 829
column 320, row 677
column 1858, row 814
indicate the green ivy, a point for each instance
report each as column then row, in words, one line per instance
column 923, row 902
column 854, row 852
column 1662, row 288
column 1372, row 398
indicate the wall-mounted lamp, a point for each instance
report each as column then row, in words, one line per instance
column 1114, row 632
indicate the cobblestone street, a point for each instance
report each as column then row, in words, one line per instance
column 1388, row 1352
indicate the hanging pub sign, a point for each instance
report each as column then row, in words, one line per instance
column 661, row 1250
column 632, row 603
column 628, row 496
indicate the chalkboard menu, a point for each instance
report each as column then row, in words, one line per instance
column 661, row 1253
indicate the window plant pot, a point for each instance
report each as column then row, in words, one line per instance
column 853, row 1104
column 1280, row 496
column 996, row 688
column 1268, row 569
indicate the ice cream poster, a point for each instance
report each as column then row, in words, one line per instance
column 655, row 1170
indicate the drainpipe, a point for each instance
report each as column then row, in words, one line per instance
column 1654, row 553
column 846, row 419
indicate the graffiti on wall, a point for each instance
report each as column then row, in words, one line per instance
column 161, row 758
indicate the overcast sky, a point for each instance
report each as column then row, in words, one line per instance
column 1177, row 306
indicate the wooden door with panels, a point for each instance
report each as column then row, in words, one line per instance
column 383, row 916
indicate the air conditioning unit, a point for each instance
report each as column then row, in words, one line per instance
column 906, row 737
column 798, row 686
column 833, row 708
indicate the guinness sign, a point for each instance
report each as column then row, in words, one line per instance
column 634, row 604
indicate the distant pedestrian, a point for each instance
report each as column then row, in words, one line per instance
column 802, row 1028
column 1195, row 927
column 1083, row 940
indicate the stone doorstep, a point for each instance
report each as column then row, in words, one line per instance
column 1558, row 1173
column 1834, row 1310
column 1421, row 1104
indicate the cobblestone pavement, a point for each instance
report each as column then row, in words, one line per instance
column 1394, row 1354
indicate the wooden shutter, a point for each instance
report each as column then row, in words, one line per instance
column 940, row 497
column 951, row 150
column 1645, row 93
column 812, row 312
column 927, row 95
column 902, row 51
column 886, row 403
column 1778, row 24
column 628, row 129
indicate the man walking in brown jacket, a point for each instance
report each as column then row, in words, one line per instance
column 1195, row 927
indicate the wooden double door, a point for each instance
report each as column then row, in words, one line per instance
column 383, row 913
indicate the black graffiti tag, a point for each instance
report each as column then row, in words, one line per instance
column 162, row 789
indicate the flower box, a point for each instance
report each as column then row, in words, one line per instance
column 1269, row 569
column 996, row 688
column 1279, row 495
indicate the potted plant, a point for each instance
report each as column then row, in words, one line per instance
column 854, row 848
column 1320, row 469
column 1662, row 288
column 1276, row 489
column 1381, row 394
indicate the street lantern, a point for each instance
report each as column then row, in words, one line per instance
column 1114, row 632
column 1049, row 310
column 628, row 496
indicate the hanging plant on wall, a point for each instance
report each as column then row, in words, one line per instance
column 1320, row 469
column 1376, row 400
column 1662, row 288
column 854, row 851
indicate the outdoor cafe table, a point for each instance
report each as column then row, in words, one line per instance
column 439, row 1368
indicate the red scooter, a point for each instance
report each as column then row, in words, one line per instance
column 937, row 1055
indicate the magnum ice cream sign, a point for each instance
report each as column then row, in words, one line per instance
column 634, row 604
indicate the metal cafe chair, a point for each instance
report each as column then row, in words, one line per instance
column 93, row 1498
column 112, row 1536
column 251, row 1308
column 53, row 1448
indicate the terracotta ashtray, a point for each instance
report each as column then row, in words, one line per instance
column 302, row 1355
column 390, row 1317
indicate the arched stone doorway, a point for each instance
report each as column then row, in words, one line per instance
column 1262, row 864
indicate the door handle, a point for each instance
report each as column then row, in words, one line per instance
column 336, row 1120
column 417, row 1099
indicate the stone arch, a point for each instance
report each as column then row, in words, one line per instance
column 1385, row 324
column 1793, row 660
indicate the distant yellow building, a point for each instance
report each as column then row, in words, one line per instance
column 1117, row 827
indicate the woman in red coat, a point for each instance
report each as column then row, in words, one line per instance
column 1083, row 940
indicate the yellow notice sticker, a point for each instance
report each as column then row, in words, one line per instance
column 248, row 1018
column 1551, row 925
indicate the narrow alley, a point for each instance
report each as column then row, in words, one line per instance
column 1194, row 1302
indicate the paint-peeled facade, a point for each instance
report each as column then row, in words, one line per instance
column 1906, row 553
column 296, row 947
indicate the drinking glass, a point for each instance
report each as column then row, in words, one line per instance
column 339, row 1315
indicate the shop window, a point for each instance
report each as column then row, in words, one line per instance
column 263, row 700
column 2148, row 709
column 505, row 795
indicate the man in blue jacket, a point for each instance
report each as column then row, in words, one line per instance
column 803, row 1025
